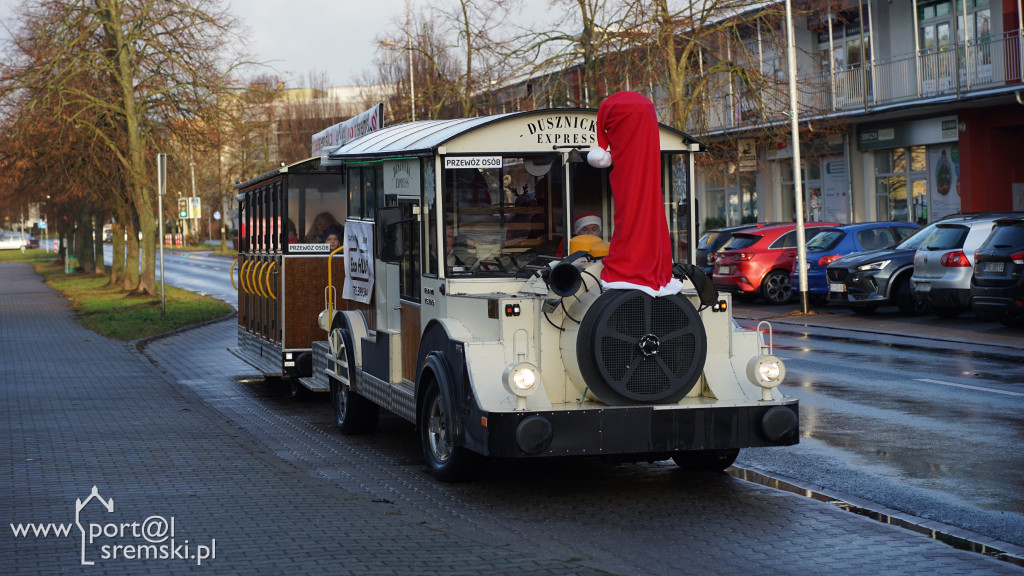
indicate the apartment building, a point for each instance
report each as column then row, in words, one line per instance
column 909, row 110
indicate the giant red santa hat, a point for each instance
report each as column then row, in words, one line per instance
column 640, row 255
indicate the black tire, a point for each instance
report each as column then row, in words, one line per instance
column 947, row 313
column 864, row 309
column 706, row 460
column 353, row 413
column 447, row 462
column 744, row 296
column 818, row 300
column 907, row 299
column 1010, row 320
column 296, row 389
column 777, row 288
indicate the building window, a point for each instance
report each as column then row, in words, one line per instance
column 731, row 197
column 901, row 184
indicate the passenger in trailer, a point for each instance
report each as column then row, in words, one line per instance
column 332, row 236
column 293, row 234
column 320, row 224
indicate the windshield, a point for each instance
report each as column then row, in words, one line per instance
column 825, row 240
column 741, row 241
column 504, row 219
column 706, row 240
column 914, row 241
column 946, row 237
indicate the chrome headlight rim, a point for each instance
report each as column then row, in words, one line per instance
column 766, row 371
column 521, row 379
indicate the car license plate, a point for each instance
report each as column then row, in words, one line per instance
column 923, row 286
column 725, row 269
column 836, row 287
column 993, row 266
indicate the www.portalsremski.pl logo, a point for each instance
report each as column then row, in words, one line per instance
column 149, row 539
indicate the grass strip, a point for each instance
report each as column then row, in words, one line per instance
column 112, row 312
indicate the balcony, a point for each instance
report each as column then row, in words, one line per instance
column 956, row 72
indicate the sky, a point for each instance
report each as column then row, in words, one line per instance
column 334, row 37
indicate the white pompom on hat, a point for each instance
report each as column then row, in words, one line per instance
column 599, row 157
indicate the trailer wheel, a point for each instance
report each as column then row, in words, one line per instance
column 446, row 461
column 353, row 413
column 706, row 460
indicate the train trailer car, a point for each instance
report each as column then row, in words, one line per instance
column 470, row 305
column 286, row 218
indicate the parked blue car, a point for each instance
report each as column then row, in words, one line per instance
column 833, row 243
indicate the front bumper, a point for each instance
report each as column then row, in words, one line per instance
column 641, row 430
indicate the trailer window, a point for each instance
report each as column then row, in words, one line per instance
column 316, row 202
column 502, row 221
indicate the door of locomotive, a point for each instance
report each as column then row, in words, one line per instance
column 399, row 310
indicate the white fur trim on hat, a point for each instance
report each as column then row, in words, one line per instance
column 585, row 221
column 674, row 286
column 599, row 157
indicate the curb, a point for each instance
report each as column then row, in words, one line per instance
column 958, row 538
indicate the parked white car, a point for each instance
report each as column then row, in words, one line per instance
column 13, row 241
column 944, row 262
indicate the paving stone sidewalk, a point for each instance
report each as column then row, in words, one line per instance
column 80, row 410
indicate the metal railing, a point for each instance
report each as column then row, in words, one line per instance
column 957, row 70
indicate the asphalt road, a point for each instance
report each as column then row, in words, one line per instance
column 896, row 413
column 912, row 424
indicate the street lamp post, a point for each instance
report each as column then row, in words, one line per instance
column 801, row 248
column 412, row 76
column 408, row 48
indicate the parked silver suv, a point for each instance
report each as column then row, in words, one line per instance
column 944, row 262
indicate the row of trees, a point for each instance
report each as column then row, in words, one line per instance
column 91, row 90
column 685, row 54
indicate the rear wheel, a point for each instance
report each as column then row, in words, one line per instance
column 864, row 309
column 776, row 287
column 947, row 313
column 446, row 461
column 706, row 460
column 1010, row 320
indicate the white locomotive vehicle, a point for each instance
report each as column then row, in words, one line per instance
column 467, row 306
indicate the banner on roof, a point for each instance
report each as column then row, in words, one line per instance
column 348, row 130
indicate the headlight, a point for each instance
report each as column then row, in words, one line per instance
column 875, row 265
column 521, row 379
column 766, row 371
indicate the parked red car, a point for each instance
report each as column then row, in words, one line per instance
column 758, row 261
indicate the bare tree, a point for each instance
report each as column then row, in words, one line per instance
column 128, row 70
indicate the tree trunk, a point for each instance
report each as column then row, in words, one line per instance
column 83, row 244
column 98, row 243
column 117, row 268
column 131, row 261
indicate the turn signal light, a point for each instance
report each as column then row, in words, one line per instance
column 1017, row 257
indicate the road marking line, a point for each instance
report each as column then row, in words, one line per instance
column 983, row 389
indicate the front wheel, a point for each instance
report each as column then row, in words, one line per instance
column 353, row 413
column 706, row 460
column 776, row 288
column 446, row 461
column 908, row 301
